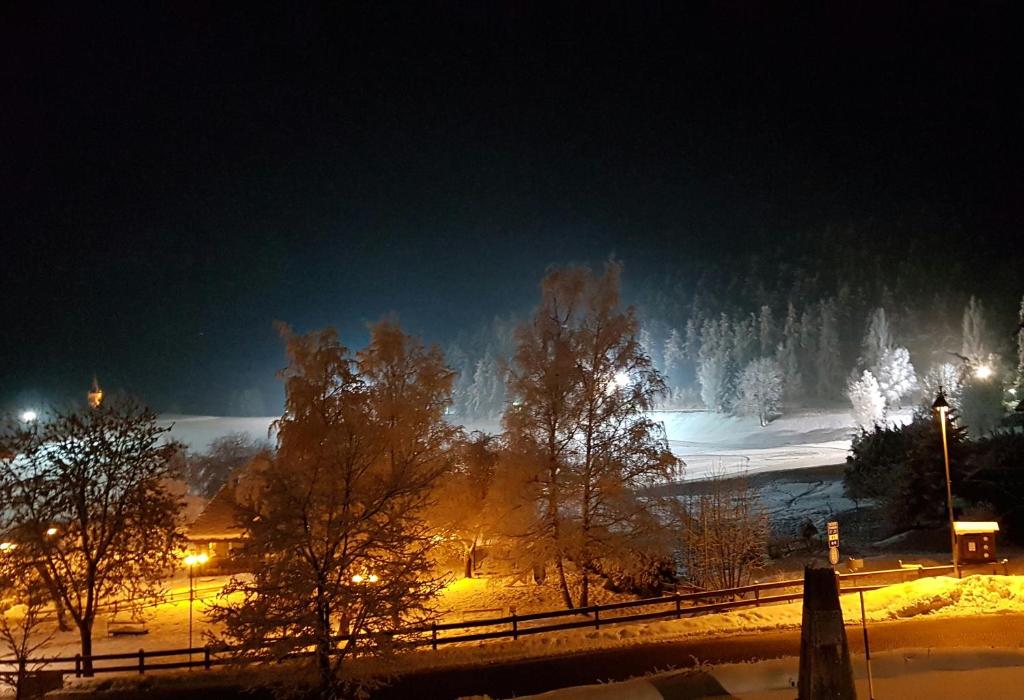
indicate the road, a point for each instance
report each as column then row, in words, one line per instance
column 503, row 680
column 526, row 677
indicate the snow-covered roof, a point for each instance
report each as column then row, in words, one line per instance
column 965, row 527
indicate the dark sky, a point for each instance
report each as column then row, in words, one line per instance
column 173, row 180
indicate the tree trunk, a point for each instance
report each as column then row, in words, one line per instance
column 85, row 633
column 562, row 583
column 469, row 564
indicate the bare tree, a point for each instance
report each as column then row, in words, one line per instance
column 338, row 531
column 209, row 471
column 724, row 534
column 760, row 389
column 89, row 500
column 24, row 632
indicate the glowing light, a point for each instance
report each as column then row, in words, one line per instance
column 7, row 546
column 357, row 579
column 29, row 416
column 621, row 379
column 51, row 531
column 193, row 559
column 373, row 578
column 983, row 372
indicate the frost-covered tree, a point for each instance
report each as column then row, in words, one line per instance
column 974, row 333
column 760, row 389
column 714, row 365
column 867, row 400
column 581, row 387
column 877, row 340
column 24, row 632
column 896, row 376
column 88, row 497
column 338, row 534
column 827, row 359
column 788, row 354
column 674, row 355
column 808, row 352
column 459, row 513
column 1020, row 349
column 485, row 396
column 946, row 376
column 767, row 332
column 745, row 341
column 208, row 471
column 981, row 405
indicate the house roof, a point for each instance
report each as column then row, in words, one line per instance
column 220, row 519
column 964, row 527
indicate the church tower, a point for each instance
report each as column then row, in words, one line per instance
column 95, row 394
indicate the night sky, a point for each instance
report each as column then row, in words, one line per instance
column 174, row 180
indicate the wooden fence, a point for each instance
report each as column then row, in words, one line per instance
column 509, row 627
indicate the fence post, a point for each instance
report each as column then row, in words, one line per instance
column 142, row 661
column 206, row 657
column 433, row 635
column 515, row 627
column 597, row 618
column 679, row 607
column 757, row 597
column 78, row 665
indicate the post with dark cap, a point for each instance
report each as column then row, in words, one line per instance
column 825, row 668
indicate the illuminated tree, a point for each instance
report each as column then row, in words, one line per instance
column 338, row 531
column 974, row 332
column 25, row 630
column 460, row 514
column 89, row 499
column 896, row 376
column 580, row 384
column 760, row 390
column 867, row 400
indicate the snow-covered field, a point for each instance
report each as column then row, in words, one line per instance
column 706, row 441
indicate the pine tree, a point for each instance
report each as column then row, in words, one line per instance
column 767, row 332
column 896, row 376
column 827, row 361
column 675, row 359
column 714, row 367
column 788, row 354
column 974, row 333
column 877, row 340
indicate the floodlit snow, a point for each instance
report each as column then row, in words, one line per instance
column 711, row 442
column 706, row 441
column 197, row 432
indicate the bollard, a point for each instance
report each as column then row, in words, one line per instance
column 825, row 668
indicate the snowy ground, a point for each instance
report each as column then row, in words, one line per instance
column 706, row 441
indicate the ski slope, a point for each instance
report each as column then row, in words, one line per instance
column 708, row 442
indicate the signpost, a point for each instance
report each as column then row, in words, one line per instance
column 833, row 542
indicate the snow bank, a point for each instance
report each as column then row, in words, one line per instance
column 974, row 595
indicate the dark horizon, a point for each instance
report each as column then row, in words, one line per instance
column 175, row 180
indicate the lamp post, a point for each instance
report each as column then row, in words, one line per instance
column 191, row 561
column 941, row 407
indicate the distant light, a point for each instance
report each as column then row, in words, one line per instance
column 621, row 379
column 7, row 546
column 983, row 372
column 193, row 559
column 357, row 579
column 29, row 416
column 50, row 532
column 373, row 578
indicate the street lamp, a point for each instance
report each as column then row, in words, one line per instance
column 191, row 561
column 941, row 407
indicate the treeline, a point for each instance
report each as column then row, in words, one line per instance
column 772, row 332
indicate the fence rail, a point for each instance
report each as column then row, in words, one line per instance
column 512, row 626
